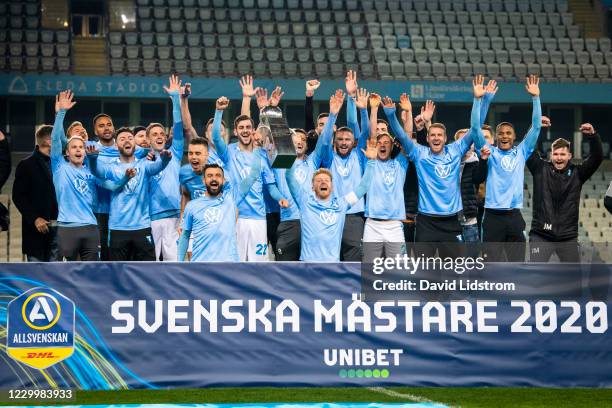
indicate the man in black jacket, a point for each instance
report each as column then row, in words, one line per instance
column 556, row 197
column 34, row 197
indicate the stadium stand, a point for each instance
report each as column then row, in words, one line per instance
column 26, row 46
column 441, row 40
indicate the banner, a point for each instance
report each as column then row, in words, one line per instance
column 157, row 325
column 17, row 84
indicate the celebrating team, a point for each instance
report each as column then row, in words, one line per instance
column 344, row 198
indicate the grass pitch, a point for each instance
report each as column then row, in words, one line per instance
column 463, row 397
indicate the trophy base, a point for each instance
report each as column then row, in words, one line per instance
column 283, row 161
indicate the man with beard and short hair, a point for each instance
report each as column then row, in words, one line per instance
column 129, row 221
column 438, row 170
column 289, row 230
column 557, row 184
column 323, row 211
column 165, row 197
column 212, row 216
column 238, row 159
column 347, row 166
column 503, row 221
column 140, row 136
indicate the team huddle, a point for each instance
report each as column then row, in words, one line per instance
column 354, row 193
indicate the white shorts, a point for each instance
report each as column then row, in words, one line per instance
column 165, row 236
column 383, row 238
column 252, row 240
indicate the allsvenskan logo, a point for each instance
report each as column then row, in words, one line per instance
column 40, row 328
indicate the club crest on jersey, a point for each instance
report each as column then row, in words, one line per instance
column 328, row 217
column 158, row 176
column 131, row 185
column 81, row 186
column 300, row 175
column 244, row 172
column 508, row 162
column 212, row 215
column 443, row 170
column 388, row 177
column 343, row 170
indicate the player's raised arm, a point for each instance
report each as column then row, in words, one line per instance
column 531, row 138
column 361, row 190
column 185, row 113
column 173, row 90
column 590, row 164
column 220, row 106
column 351, row 109
column 246, row 84
column 63, row 102
column 362, row 104
column 406, row 115
column 335, row 104
column 407, row 143
column 475, row 132
column 311, row 86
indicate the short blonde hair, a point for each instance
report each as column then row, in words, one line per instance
column 322, row 170
column 155, row 124
column 72, row 126
column 460, row 132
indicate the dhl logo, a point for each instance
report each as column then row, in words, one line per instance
column 41, row 355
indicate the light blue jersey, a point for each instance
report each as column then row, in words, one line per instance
column 109, row 154
column 165, row 200
column 438, row 174
column 129, row 208
column 323, row 221
column 507, row 167
column 191, row 181
column 212, row 222
column 238, row 164
column 303, row 171
column 385, row 198
column 347, row 171
column 75, row 187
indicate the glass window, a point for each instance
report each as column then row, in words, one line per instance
column 77, row 25
column 120, row 112
column 22, row 124
column 152, row 112
column 94, row 26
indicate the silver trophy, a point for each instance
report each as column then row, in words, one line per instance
column 280, row 144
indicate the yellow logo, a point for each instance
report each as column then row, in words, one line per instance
column 41, row 311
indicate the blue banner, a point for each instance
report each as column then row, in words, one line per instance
column 211, row 88
column 154, row 325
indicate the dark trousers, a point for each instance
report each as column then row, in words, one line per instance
column 503, row 231
column 352, row 235
column 272, row 221
column 136, row 245
column 541, row 249
column 409, row 231
column 51, row 250
column 79, row 243
column 104, row 238
column 289, row 241
column 438, row 233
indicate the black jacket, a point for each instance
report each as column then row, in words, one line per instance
column 5, row 161
column 34, row 196
column 556, row 194
column 473, row 174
